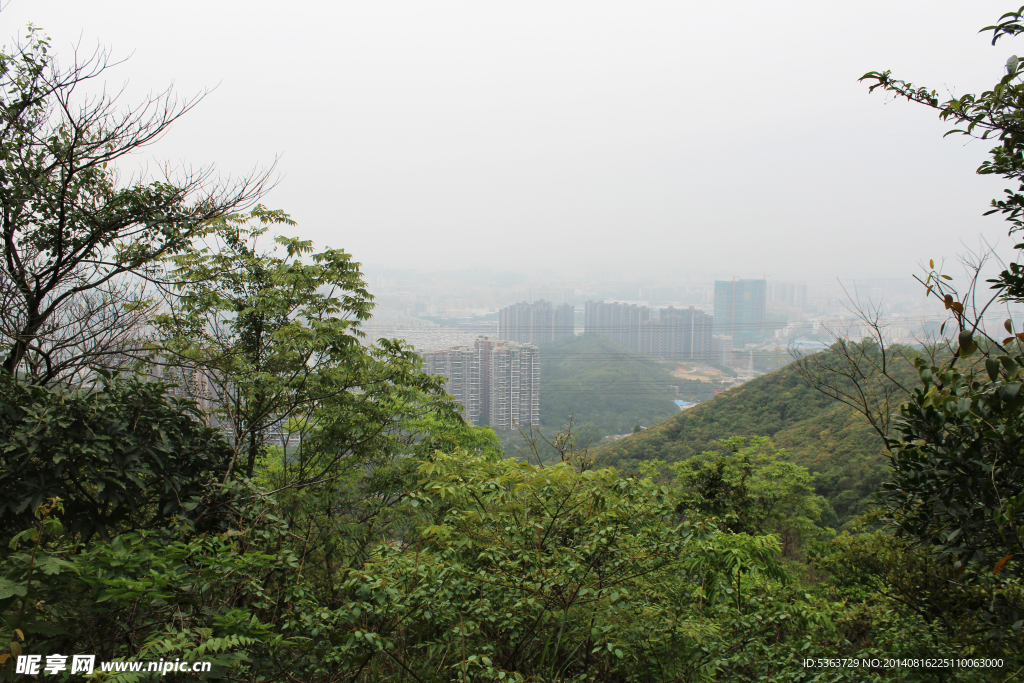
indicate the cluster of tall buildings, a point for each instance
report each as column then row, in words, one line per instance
column 739, row 319
column 669, row 333
column 536, row 323
column 496, row 382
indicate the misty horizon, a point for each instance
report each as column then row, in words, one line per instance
column 712, row 141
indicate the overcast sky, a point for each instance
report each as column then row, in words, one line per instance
column 708, row 139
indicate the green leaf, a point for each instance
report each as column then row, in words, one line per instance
column 8, row 589
column 992, row 367
column 967, row 345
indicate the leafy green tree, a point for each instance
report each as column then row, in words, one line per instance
column 123, row 455
column 254, row 331
column 271, row 341
column 751, row 488
column 558, row 573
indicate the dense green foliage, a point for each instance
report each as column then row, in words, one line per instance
column 123, row 455
column 956, row 486
column 953, row 435
column 493, row 569
column 196, row 562
column 749, row 488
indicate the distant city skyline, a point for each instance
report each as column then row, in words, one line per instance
column 465, row 294
column 438, row 310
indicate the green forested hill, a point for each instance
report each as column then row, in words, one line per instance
column 828, row 437
column 607, row 386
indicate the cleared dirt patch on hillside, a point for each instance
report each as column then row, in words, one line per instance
column 701, row 373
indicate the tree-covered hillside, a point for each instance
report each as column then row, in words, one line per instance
column 605, row 385
column 828, row 437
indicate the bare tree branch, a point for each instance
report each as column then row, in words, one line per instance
column 79, row 243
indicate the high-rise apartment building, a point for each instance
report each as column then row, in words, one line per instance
column 739, row 310
column 672, row 333
column 536, row 323
column 792, row 294
column 514, row 386
column 461, row 365
column 678, row 333
column 496, row 382
column 721, row 350
column 619, row 322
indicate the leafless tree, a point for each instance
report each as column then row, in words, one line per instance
column 860, row 372
column 873, row 375
column 79, row 241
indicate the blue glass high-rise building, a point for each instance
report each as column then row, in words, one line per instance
column 739, row 310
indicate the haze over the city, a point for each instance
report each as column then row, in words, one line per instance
column 698, row 139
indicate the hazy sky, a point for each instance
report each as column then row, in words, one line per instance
column 712, row 139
